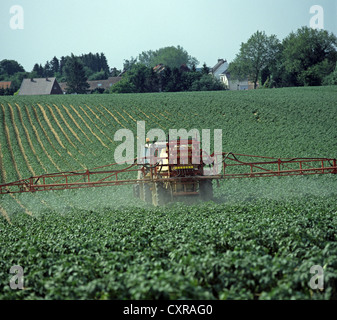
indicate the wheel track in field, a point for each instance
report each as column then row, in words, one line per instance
column 57, row 137
column 8, row 139
column 89, row 128
column 73, row 132
column 18, row 139
column 121, row 115
column 103, row 114
column 27, row 211
column 159, row 120
column 44, row 131
column 151, row 120
column 96, row 116
column 51, row 127
column 112, row 115
column 132, row 118
column 62, row 130
column 50, row 142
column 13, row 161
column 5, row 215
column 39, row 140
column 29, row 139
column 98, row 128
column 75, row 122
column 3, row 180
column 2, row 168
column 67, row 124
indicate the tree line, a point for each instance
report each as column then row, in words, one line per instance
column 307, row 57
column 95, row 67
column 169, row 69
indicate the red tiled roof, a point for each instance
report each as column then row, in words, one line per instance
column 5, row 84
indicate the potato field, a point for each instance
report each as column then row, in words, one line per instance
column 258, row 239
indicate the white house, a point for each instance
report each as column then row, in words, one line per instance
column 220, row 72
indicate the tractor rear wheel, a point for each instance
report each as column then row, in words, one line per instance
column 136, row 191
column 144, row 190
column 147, row 194
column 206, row 190
column 160, row 195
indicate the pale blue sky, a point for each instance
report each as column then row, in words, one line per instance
column 206, row 29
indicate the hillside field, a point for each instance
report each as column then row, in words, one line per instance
column 257, row 240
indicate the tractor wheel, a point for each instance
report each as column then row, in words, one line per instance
column 144, row 189
column 147, row 194
column 160, row 195
column 140, row 185
column 136, row 190
column 206, row 190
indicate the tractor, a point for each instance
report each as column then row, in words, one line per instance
column 171, row 170
column 167, row 171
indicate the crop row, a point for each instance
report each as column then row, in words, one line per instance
column 45, row 138
column 257, row 240
column 49, row 134
column 39, row 137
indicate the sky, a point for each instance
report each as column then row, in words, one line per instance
column 207, row 29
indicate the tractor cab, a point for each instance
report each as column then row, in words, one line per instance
column 174, row 158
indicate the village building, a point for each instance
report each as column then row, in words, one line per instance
column 5, row 85
column 98, row 86
column 220, row 72
column 39, row 86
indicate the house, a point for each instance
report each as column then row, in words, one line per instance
column 102, row 85
column 159, row 68
column 220, row 72
column 39, row 86
column 96, row 85
column 5, row 85
column 220, row 68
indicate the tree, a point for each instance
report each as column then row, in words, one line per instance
column 138, row 79
column 174, row 83
column 258, row 53
column 62, row 64
column 128, row 64
column 75, row 75
column 38, row 70
column 55, row 65
column 114, row 72
column 48, row 71
column 123, row 86
column 97, row 76
column 205, row 69
column 309, row 55
column 188, row 78
column 331, row 79
column 10, row 67
column 95, row 63
column 172, row 57
column 207, row 83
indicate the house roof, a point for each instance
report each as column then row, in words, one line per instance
column 96, row 84
column 159, row 68
column 104, row 84
column 220, row 68
column 39, row 86
column 5, row 84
